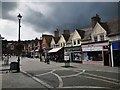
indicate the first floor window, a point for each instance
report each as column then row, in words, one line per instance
column 78, row 41
column 74, row 42
column 101, row 37
column 95, row 38
column 61, row 44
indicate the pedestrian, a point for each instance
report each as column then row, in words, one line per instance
column 48, row 59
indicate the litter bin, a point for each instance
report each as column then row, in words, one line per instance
column 14, row 66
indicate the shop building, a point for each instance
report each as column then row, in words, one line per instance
column 73, row 46
column 115, row 48
column 96, row 53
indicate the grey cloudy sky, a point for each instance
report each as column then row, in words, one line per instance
column 43, row 17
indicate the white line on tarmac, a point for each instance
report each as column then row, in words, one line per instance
column 45, row 73
column 94, row 87
column 52, row 72
column 38, row 80
column 100, row 79
column 103, row 77
column 60, row 80
column 74, row 74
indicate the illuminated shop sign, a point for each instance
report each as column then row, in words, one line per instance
column 98, row 48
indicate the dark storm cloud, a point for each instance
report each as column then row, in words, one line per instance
column 70, row 15
column 6, row 8
column 38, row 21
column 79, row 14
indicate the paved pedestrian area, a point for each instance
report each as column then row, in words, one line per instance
column 36, row 74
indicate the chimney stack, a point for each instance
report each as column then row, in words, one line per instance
column 66, row 32
column 95, row 19
column 56, row 33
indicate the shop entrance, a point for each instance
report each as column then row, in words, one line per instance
column 116, row 57
column 106, row 58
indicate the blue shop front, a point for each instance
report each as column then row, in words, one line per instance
column 116, row 52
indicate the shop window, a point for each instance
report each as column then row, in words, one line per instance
column 76, row 56
column 95, row 38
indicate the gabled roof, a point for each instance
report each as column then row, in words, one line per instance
column 56, row 39
column 114, row 27
column 104, row 25
column 87, row 34
column 48, row 38
column 70, row 38
column 81, row 33
column 66, row 37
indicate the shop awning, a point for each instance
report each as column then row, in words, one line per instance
column 54, row 50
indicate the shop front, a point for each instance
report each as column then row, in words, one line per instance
column 57, row 54
column 116, row 52
column 96, row 53
column 74, row 53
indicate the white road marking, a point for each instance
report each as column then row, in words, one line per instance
column 43, row 73
column 94, row 87
column 102, row 77
column 74, row 75
column 46, row 73
column 108, row 71
column 60, row 80
column 38, row 80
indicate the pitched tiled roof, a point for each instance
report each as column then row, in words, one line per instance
column 66, row 36
column 81, row 33
column 104, row 25
column 70, row 38
column 56, row 39
column 87, row 34
column 48, row 38
column 114, row 27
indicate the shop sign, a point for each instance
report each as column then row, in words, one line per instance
column 66, row 58
column 116, row 45
column 92, row 48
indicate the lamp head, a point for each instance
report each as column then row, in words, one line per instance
column 19, row 16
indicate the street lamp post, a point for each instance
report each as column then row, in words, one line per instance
column 19, row 18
